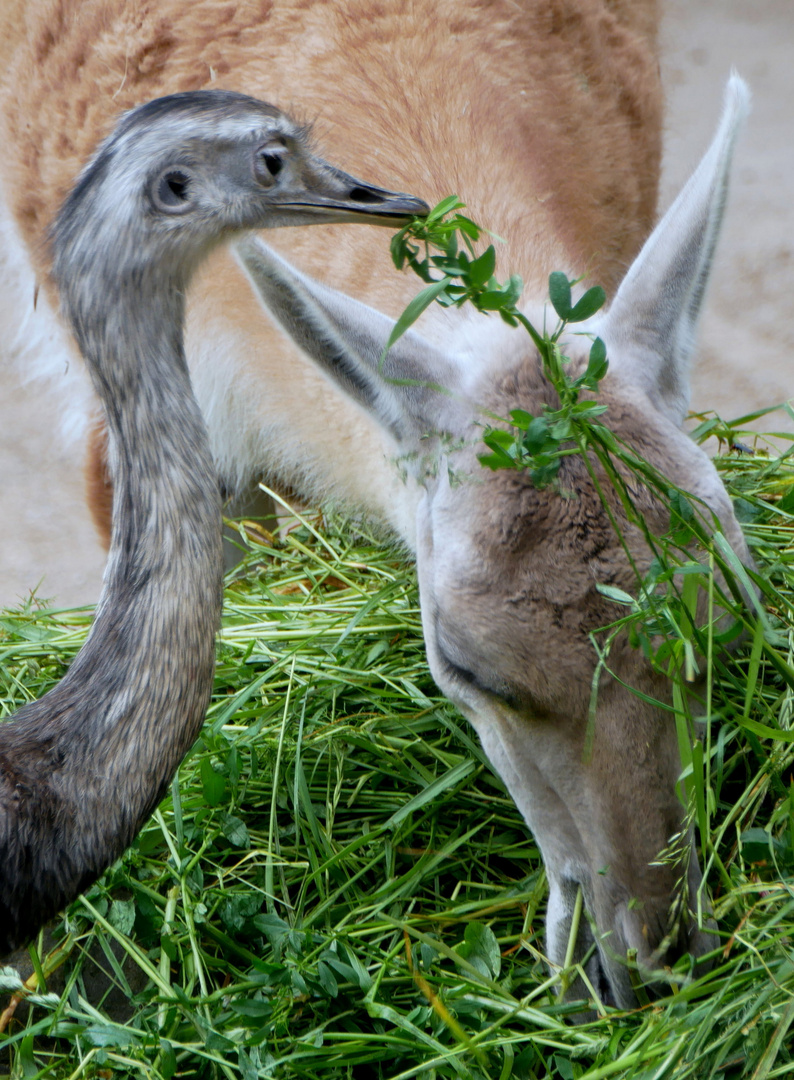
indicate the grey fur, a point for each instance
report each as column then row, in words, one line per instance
column 82, row 768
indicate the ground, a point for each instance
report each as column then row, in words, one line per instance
column 746, row 340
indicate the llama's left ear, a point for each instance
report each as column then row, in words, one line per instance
column 649, row 329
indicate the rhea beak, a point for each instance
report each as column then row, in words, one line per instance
column 326, row 194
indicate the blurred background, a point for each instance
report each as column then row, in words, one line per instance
column 745, row 356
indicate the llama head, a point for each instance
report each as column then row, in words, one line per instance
column 508, row 574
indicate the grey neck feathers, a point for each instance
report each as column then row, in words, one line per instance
column 81, row 769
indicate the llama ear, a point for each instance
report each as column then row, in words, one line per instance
column 649, row 329
column 409, row 391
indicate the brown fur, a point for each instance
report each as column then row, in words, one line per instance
column 464, row 97
column 98, row 484
column 544, row 116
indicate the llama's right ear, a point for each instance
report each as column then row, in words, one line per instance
column 649, row 329
column 408, row 391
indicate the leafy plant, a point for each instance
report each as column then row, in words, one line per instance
column 539, row 443
column 443, row 245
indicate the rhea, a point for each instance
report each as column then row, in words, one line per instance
column 82, row 768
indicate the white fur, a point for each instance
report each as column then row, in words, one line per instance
column 34, row 338
column 669, row 278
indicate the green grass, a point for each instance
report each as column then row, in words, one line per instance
column 339, row 886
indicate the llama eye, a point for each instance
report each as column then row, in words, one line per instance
column 455, row 670
column 461, row 673
column 483, row 684
column 172, row 191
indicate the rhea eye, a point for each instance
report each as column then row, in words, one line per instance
column 172, row 191
column 269, row 161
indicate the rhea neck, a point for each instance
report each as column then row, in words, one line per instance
column 163, row 576
column 165, row 488
column 82, row 768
